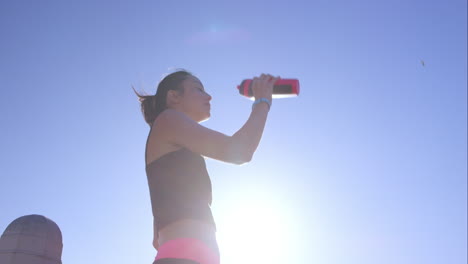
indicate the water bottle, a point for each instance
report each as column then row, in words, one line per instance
column 283, row 88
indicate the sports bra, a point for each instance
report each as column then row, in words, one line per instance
column 180, row 188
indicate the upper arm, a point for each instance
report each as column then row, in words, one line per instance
column 177, row 128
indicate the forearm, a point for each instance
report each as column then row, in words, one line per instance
column 246, row 140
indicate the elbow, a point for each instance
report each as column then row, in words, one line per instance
column 240, row 153
column 243, row 160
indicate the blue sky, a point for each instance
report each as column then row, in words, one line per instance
column 367, row 165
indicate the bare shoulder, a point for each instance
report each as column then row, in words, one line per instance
column 170, row 118
column 172, row 125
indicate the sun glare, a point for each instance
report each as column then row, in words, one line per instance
column 253, row 231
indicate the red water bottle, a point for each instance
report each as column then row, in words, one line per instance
column 283, row 88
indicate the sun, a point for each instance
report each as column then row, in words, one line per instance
column 252, row 231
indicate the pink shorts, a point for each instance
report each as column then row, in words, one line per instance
column 188, row 248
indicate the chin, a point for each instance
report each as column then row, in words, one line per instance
column 205, row 118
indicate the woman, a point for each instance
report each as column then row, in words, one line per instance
column 180, row 187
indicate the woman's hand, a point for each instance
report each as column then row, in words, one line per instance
column 263, row 86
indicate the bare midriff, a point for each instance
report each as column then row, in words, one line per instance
column 189, row 228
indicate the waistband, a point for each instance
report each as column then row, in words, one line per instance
column 188, row 248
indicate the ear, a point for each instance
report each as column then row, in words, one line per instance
column 173, row 97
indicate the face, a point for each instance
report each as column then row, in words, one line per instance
column 194, row 101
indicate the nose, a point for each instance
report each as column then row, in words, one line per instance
column 209, row 97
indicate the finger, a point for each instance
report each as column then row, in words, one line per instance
column 255, row 79
column 272, row 79
column 263, row 78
